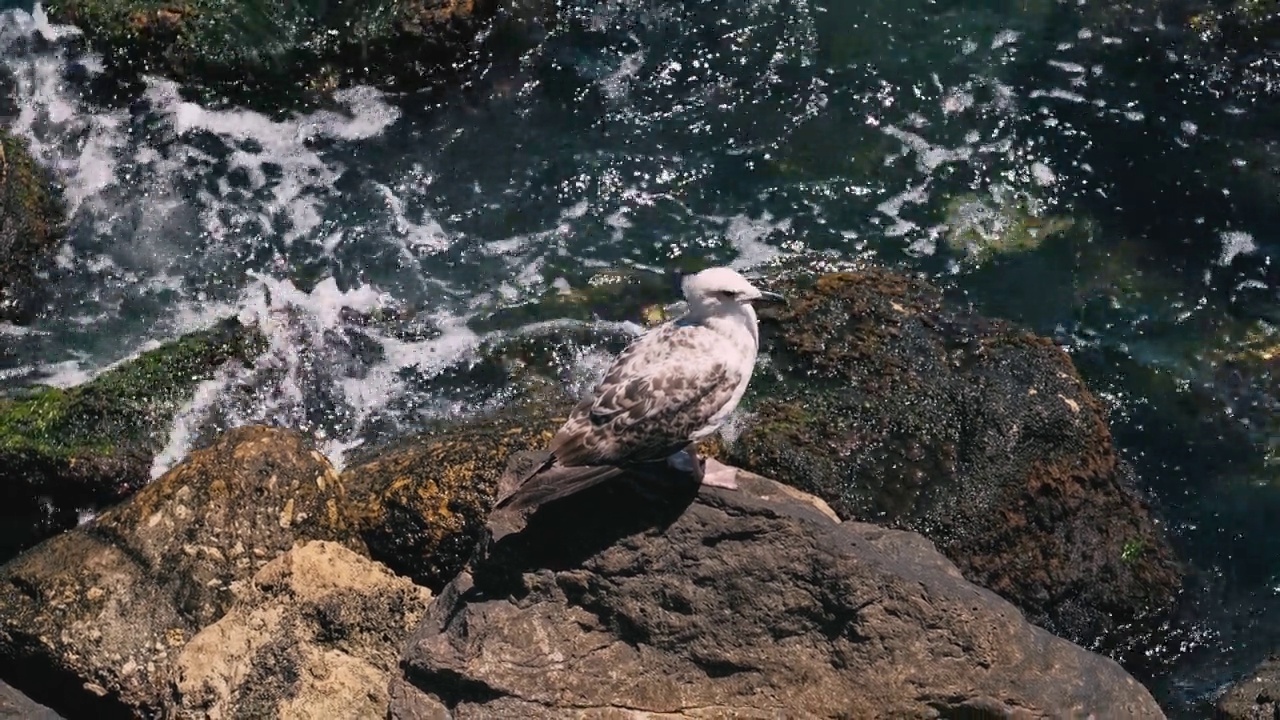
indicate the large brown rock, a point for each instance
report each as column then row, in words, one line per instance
column 980, row 436
column 91, row 621
column 317, row 634
column 618, row 603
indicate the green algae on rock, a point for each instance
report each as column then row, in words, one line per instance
column 69, row 448
column 243, row 46
column 978, row 435
column 92, row 621
column 32, row 223
column 985, row 228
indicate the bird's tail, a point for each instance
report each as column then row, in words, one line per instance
column 549, row 481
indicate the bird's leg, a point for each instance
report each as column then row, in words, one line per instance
column 686, row 462
column 717, row 474
column 708, row 471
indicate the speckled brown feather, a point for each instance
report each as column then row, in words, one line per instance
column 671, row 387
column 647, row 407
column 649, row 403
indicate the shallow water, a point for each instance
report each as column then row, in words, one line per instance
column 1135, row 183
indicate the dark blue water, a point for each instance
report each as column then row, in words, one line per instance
column 1091, row 172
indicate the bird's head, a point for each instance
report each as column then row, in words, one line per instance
column 719, row 288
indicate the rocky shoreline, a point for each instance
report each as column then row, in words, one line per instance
column 185, row 598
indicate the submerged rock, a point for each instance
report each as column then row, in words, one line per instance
column 1256, row 697
column 93, row 620
column 978, row 435
column 751, row 604
column 241, row 47
column 613, row 295
column 65, row 450
column 979, row 229
column 316, row 634
column 32, row 222
column 420, row 505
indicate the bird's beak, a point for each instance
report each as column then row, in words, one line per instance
column 767, row 296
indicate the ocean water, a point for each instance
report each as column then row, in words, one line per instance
column 1090, row 177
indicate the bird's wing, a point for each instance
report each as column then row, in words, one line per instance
column 554, row 482
column 661, row 390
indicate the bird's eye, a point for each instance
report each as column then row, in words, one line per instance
column 726, row 294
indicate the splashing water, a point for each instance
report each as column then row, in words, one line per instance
column 364, row 239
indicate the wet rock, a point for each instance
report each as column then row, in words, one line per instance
column 619, row 602
column 316, row 634
column 612, row 295
column 1256, row 697
column 242, row 48
column 420, row 505
column 92, row 621
column 67, row 450
column 32, row 223
column 976, row 434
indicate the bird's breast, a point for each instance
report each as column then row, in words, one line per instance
column 739, row 329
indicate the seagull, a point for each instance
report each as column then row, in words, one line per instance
column 671, row 387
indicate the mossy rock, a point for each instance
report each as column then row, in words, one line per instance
column 899, row 410
column 67, row 449
column 32, row 223
column 421, row 504
column 240, row 48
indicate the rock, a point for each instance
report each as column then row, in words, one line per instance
column 982, row 228
column 420, row 505
column 978, row 435
column 16, row 706
column 67, row 450
column 32, row 223
column 618, row 602
column 317, row 634
column 246, row 48
column 92, row 621
column 612, row 295
column 1256, row 697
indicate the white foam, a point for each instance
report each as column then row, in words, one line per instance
column 929, row 156
column 1235, row 242
column 189, row 419
column 79, row 146
column 423, row 233
column 67, row 373
column 304, row 179
column 747, row 235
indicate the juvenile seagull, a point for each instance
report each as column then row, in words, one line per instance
column 670, row 388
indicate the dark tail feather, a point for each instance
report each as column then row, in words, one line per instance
column 551, row 482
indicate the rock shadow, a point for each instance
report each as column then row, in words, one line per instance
column 564, row 533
